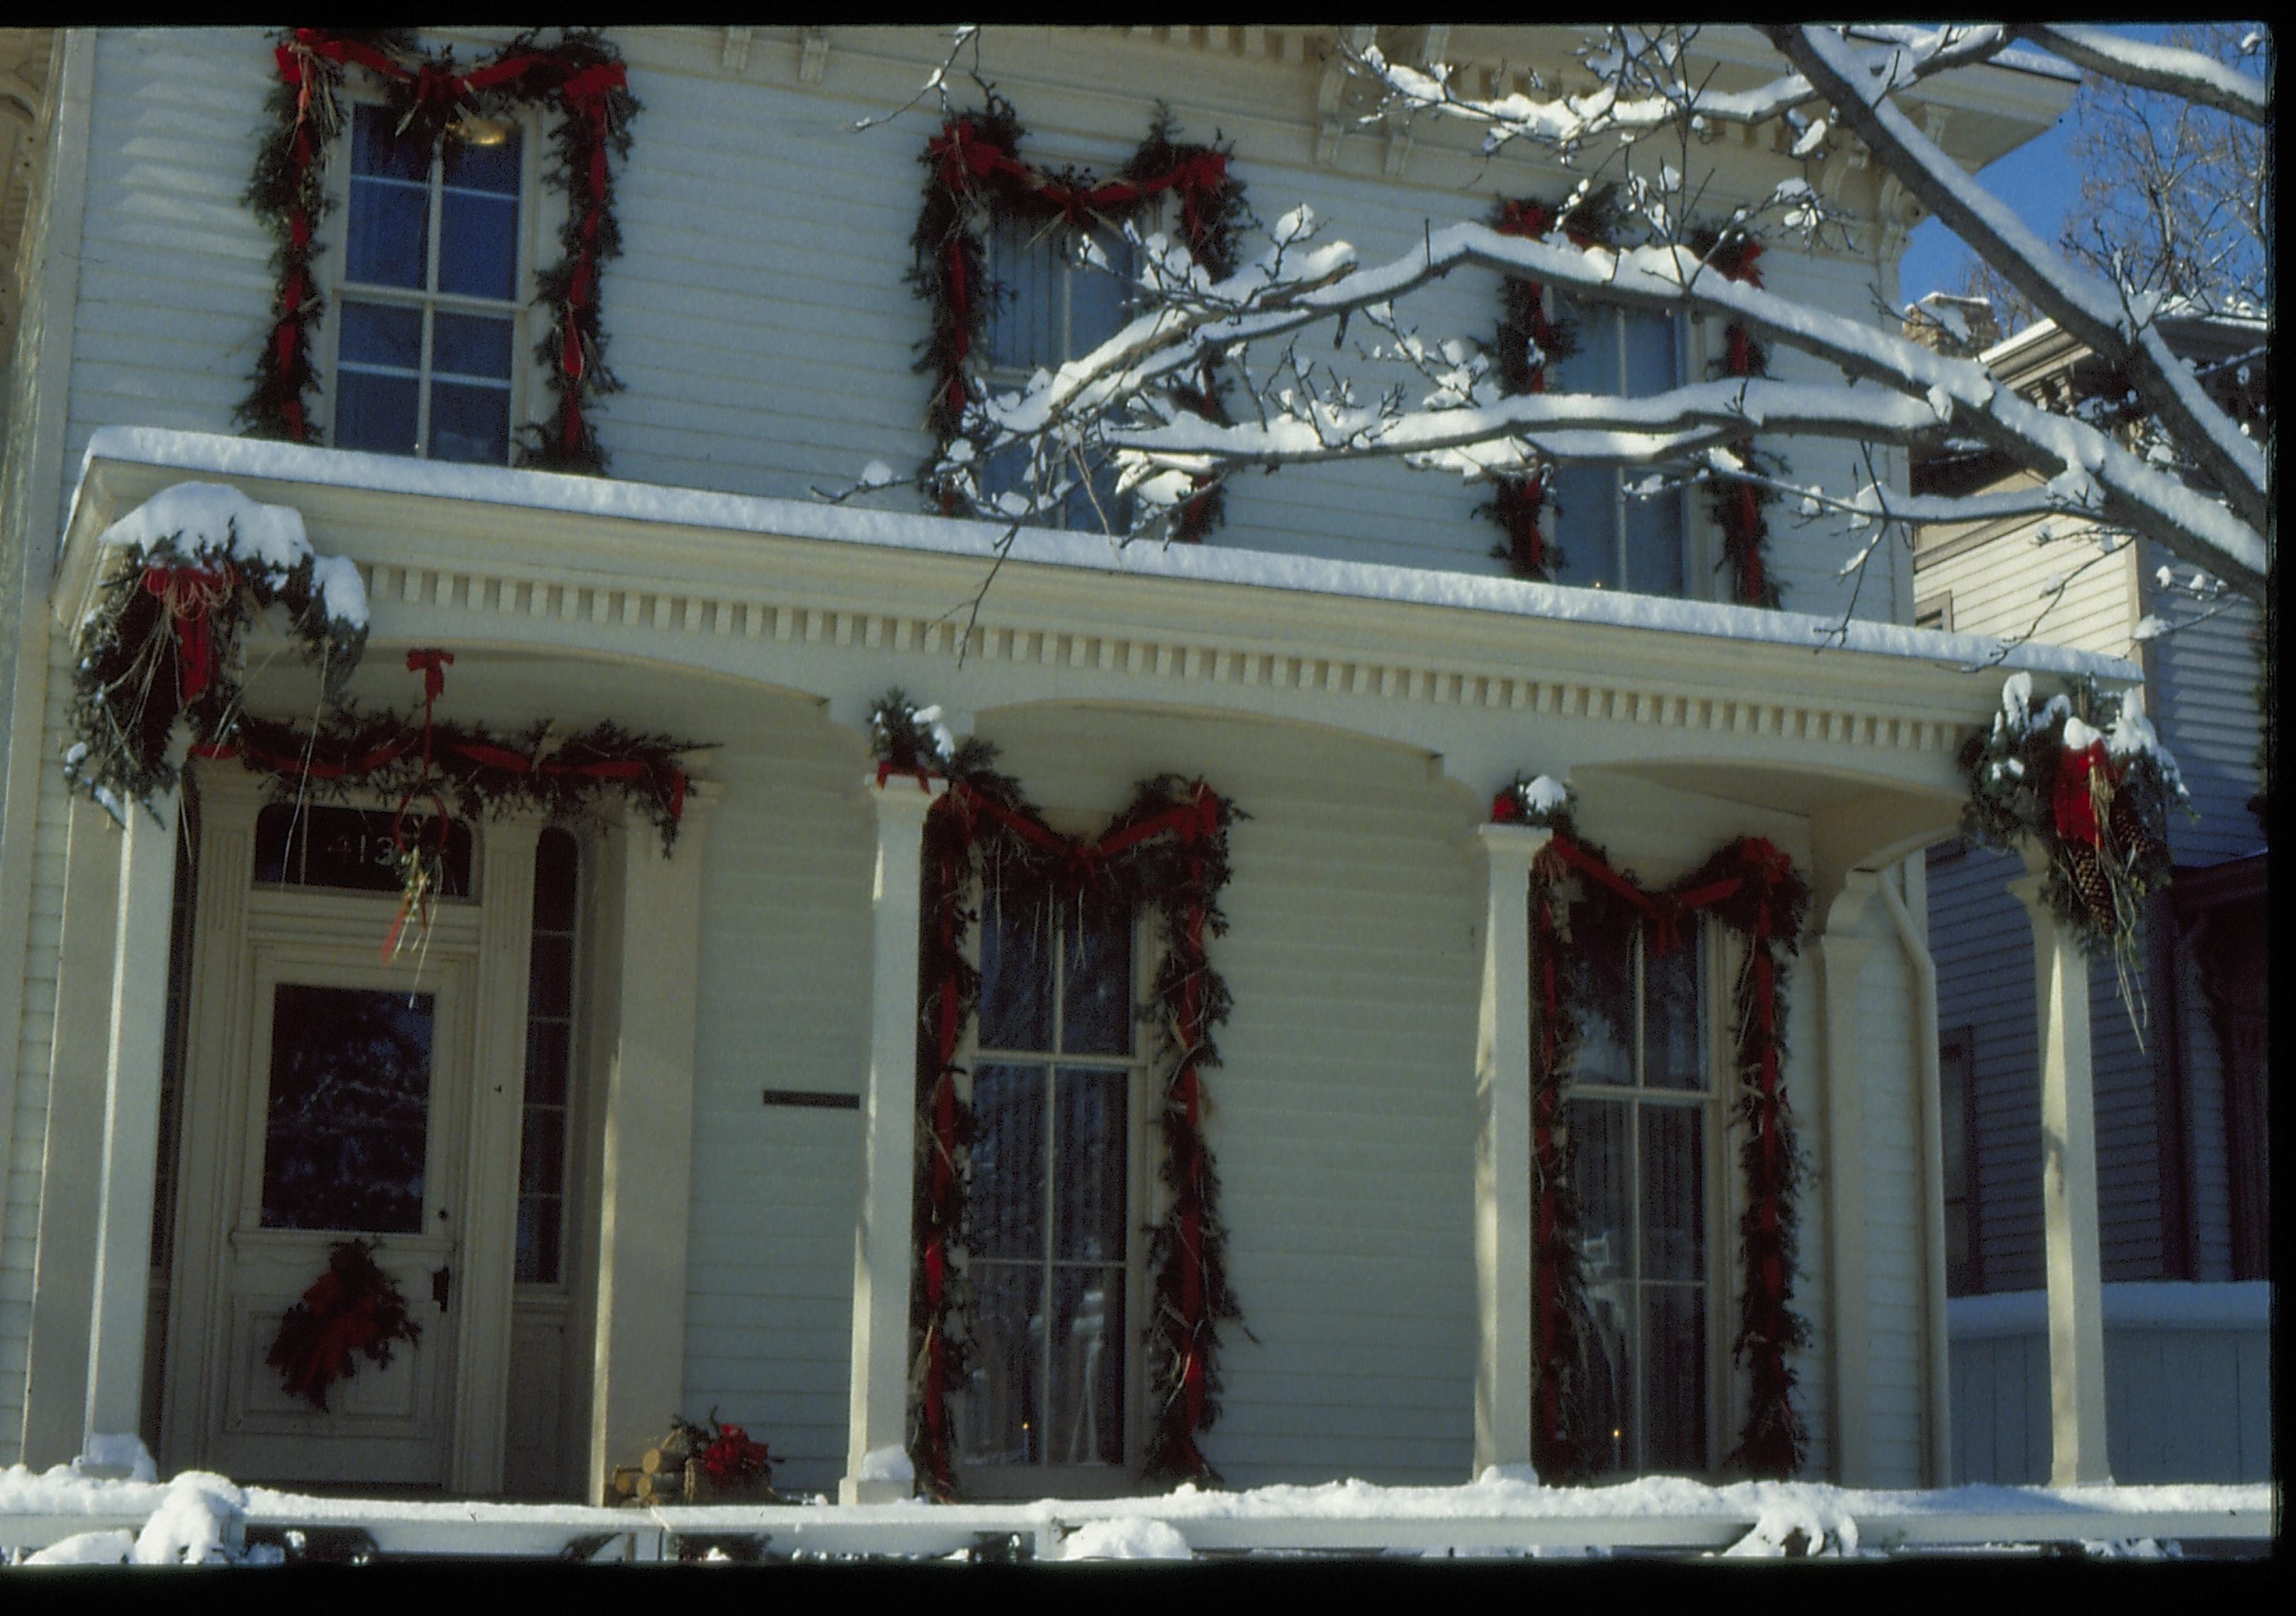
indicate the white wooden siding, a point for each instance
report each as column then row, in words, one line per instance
column 21, row 1174
column 760, row 316
column 2001, row 588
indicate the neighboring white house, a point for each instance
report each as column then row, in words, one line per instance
column 664, row 1111
column 2183, row 1172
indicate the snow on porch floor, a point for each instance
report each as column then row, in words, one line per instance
column 200, row 1516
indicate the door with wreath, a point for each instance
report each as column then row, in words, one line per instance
column 331, row 1318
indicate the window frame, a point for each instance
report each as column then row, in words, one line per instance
column 1011, row 377
column 1724, row 1198
column 1698, row 545
column 1143, row 1195
column 541, row 211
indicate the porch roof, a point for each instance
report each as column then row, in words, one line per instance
column 215, row 455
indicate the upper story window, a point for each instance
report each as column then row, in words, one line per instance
column 427, row 309
column 1055, row 1085
column 1609, row 539
column 1058, row 308
column 1644, row 1117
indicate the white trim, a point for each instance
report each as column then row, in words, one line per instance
column 212, row 454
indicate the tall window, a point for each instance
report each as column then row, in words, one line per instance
column 549, row 1061
column 1965, row 1267
column 1051, row 1210
column 428, row 304
column 1643, row 1116
column 1059, row 309
column 1611, row 539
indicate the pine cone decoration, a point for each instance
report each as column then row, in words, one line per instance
column 2129, row 836
column 2085, row 871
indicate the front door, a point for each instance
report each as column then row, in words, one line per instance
column 352, row 1106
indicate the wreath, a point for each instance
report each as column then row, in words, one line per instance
column 581, row 78
column 1579, row 900
column 2084, row 775
column 974, row 174
column 1167, row 852
column 352, row 1310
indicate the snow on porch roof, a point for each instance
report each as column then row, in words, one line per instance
column 598, row 496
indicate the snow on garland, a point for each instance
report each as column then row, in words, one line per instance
column 2084, row 775
column 1739, row 507
column 581, row 78
column 1751, row 887
column 974, row 175
column 1528, row 342
column 1165, row 853
column 352, row 1309
column 184, row 575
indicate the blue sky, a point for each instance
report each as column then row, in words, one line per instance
column 2037, row 180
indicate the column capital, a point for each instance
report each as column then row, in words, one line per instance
column 1504, row 844
column 898, row 796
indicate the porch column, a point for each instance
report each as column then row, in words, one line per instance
column 64, row 1258
column 1504, row 1251
column 135, row 1037
column 2067, row 1192
column 1843, row 952
column 876, row 1462
column 646, row 1191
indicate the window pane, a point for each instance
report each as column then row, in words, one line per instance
column 383, row 333
column 1592, row 365
column 470, row 424
column 1585, row 516
column 1599, row 1131
column 1096, row 297
column 1088, row 1153
column 1088, row 1367
column 999, row 1424
column 557, row 864
column 1674, row 1379
column 376, row 148
column 1673, row 1029
column 375, row 412
column 541, row 1166
column 389, row 235
column 472, row 167
column 1606, row 1379
column 1653, row 539
column 1008, row 1162
column 478, row 245
column 1674, row 1191
column 549, row 978
column 1024, row 325
column 1606, row 1016
column 1096, row 987
column 1650, row 352
column 1016, row 969
column 469, row 344
column 538, row 1220
column 348, row 1117
column 547, row 1043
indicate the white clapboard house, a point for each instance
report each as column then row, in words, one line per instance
column 635, row 1135
column 2183, row 1146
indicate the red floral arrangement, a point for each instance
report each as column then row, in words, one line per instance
column 726, row 1455
column 353, row 1307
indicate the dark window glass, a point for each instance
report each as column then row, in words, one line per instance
column 478, row 245
column 376, row 413
column 385, row 335
column 546, row 1122
column 1016, row 947
column 469, row 425
column 348, row 1111
column 469, row 346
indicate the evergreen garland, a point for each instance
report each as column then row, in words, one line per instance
column 162, row 645
column 581, row 77
column 974, row 174
column 1529, row 342
column 1740, row 509
column 2085, row 778
column 1165, row 854
column 1752, row 887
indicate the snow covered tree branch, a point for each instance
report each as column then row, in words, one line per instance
column 2167, row 463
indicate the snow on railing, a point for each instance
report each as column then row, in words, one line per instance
column 66, row 1517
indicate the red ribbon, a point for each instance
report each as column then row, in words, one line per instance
column 2071, row 802
column 189, row 595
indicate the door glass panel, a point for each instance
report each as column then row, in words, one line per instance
column 1016, row 942
column 1087, row 1362
column 1088, row 1224
column 349, row 1114
column 1007, row 1350
column 1008, row 1162
column 351, row 850
column 1096, row 988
